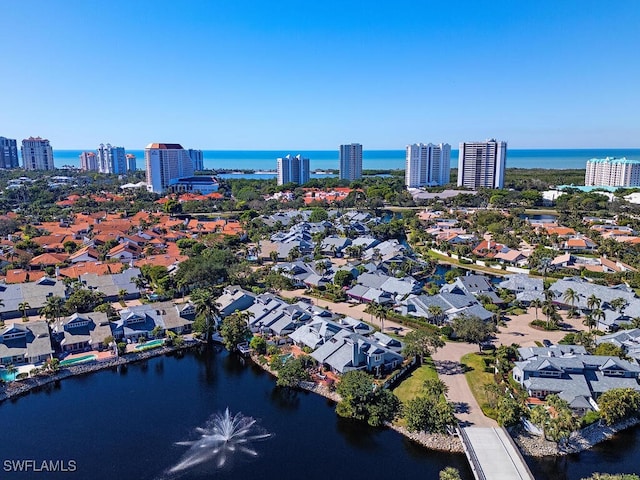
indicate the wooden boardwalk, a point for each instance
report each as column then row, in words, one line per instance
column 493, row 455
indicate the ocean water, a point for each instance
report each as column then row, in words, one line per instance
column 372, row 159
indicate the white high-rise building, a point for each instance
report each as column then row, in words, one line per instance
column 351, row 161
column 482, row 164
column 131, row 162
column 88, row 162
column 111, row 159
column 427, row 165
column 37, row 154
column 166, row 162
column 612, row 172
column 8, row 153
column 197, row 159
column 293, row 170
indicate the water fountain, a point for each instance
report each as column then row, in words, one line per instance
column 223, row 436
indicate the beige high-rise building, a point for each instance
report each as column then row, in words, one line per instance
column 166, row 162
column 37, row 154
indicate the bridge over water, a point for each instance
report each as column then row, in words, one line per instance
column 493, row 455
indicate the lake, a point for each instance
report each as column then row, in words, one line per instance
column 124, row 423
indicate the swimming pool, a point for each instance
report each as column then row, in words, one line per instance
column 6, row 376
column 150, row 344
column 77, row 360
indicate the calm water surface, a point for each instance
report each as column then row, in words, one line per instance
column 125, row 424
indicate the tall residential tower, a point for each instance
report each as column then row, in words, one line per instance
column 612, row 172
column 427, row 165
column 111, row 159
column 293, row 170
column 166, row 162
column 8, row 153
column 37, row 154
column 351, row 161
column 482, row 164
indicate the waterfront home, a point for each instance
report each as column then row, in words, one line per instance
column 25, row 343
column 140, row 321
column 81, row 332
column 315, row 333
column 347, row 351
column 577, row 378
column 234, row 298
column 628, row 340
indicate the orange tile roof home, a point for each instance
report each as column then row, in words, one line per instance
column 84, row 254
column 22, row 276
column 97, row 268
column 48, row 260
column 560, row 231
column 163, row 260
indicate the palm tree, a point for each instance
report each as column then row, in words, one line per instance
column 140, row 283
column 593, row 302
column 618, row 304
column 244, row 315
column 570, row 296
column 53, row 309
column 382, row 315
column 23, row 307
column 435, row 311
column 548, row 309
column 207, row 308
column 371, row 309
column 536, row 303
column 122, row 293
column 1, row 320
column 598, row 315
column 589, row 321
column 273, row 256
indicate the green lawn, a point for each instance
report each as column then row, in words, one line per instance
column 477, row 378
column 411, row 386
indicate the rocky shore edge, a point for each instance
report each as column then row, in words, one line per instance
column 535, row 446
column 432, row 441
column 22, row 387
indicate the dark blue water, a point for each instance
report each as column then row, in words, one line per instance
column 124, row 424
column 373, row 159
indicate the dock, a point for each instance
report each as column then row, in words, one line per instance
column 493, row 455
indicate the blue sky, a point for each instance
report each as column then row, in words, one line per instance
column 253, row 75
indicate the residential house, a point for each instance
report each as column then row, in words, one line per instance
column 25, row 343
column 82, row 332
column 577, row 378
column 525, row 288
column 347, row 351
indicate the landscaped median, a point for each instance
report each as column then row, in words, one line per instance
column 478, row 377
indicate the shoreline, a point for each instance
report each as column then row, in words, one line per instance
column 529, row 445
column 432, row 441
column 533, row 446
column 23, row 387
